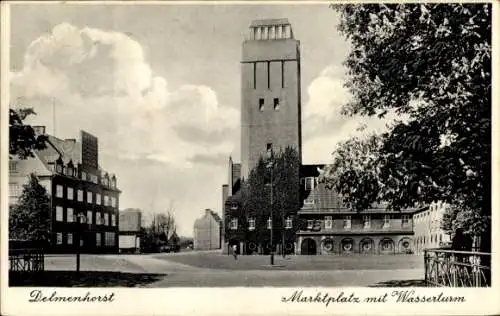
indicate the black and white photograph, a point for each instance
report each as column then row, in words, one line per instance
column 249, row 145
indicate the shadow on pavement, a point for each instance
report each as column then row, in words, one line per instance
column 400, row 283
column 84, row 279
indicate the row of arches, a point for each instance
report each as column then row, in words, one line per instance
column 348, row 245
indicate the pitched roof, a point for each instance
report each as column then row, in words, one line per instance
column 310, row 170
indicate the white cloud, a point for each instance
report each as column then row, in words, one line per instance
column 100, row 81
column 324, row 125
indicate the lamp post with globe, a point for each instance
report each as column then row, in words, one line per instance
column 80, row 219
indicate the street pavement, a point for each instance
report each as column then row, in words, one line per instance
column 175, row 274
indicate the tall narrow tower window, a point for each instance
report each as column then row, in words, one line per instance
column 261, row 104
column 276, row 102
column 282, row 74
column 269, row 75
column 269, row 147
column 255, row 76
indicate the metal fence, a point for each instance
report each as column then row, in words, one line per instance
column 26, row 260
column 457, row 268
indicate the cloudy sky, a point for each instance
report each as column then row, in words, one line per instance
column 160, row 87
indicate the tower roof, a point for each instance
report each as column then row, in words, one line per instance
column 269, row 22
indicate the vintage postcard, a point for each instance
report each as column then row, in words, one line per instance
column 260, row 158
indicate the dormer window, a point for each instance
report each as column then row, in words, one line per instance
column 59, row 168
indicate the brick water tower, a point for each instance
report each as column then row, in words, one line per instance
column 271, row 97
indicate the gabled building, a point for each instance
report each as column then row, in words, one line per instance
column 207, row 231
column 78, row 189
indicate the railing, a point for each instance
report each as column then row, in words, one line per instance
column 26, row 260
column 457, row 268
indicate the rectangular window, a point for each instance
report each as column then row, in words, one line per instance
column 347, row 222
column 59, row 191
column 261, row 104
column 98, row 239
column 70, row 193
column 84, row 176
column 113, row 201
column 269, row 147
column 113, row 220
column 366, row 221
column 12, row 166
column 70, row 238
column 276, row 102
column 269, row 223
column 288, row 223
column 234, row 224
column 80, row 195
column 59, row 238
column 69, row 215
column 387, row 221
column 251, row 224
column 405, row 220
column 309, row 183
column 106, row 219
column 310, row 224
column 109, row 239
column 97, row 199
column 89, row 197
column 14, row 190
column 106, row 200
column 98, row 218
column 59, row 213
column 89, row 217
column 328, row 222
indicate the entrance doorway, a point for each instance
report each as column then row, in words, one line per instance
column 308, row 247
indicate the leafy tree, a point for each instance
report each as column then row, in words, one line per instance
column 29, row 219
column 161, row 228
column 282, row 172
column 22, row 138
column 432, row 64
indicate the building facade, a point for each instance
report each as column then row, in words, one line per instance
column 84, row 199
column 427, row 227
column 207, row 231
column 129, row 227
column 332, row 228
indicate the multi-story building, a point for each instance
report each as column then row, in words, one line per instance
column 427, row 227
column 207, row 231
column 79, row 191
column 271, row 121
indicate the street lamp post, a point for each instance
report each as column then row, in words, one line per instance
column 271, row 166
column 80, row 218
column 272, row 212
